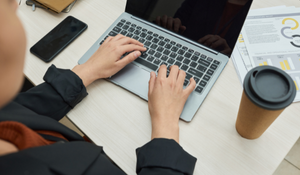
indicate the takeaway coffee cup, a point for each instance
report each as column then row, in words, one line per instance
column 267, row 92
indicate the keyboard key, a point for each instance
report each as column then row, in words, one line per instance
column 184, row 67
column 137, row 32
column 173, row 43
column 155, row 35
column 179, row 58
column 178, row 45
column 197, row 53
column 144, row 55
column 188, row 55
column 201, row 68
column 197, row 80
column 147, row 43
column 128, row 23
column 135, row 37
column 161, row 43
column 155, row 40
column 168, row 46
column 184, row 48
column 213, row 67
column 142, row 40
column 193, row 64
column 151, row 52
column 123, row 20
column 156, row 61
column 150, row 33
column 144, row 30
column 133, row 25
column 157, row 55
column 166, row 40
column 210, row 72
column 112, row 33
column 167, row 52
column 117, row 29
column 147, row 64
column 149, row 38
column 191, row 50
column 206, row 78
column 143, row 35
column 123, row 32
column 204, row 62
column 154, row 46
column 178, row 63
column 164, row 57
column 150, row 58
column 186, row 82
column 199, row 89
column 129, row 35
column 203, row 83
column 186, row 61
column 195, row 58
column 171, row 61
column 173, row 55
column 209, row 59
column 203, row 56
column 216, row 62
column 174, row 49
column 131, row 29
column 161, row 37
column 195, row 72
column 188, row 76
column 160, row 49
column 181, row 52
column 139, row 27
column 120, row 24
column 101, row 42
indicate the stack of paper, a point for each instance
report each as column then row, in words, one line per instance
column 270, row 36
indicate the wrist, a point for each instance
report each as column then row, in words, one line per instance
column 85, row 74
column 165, row 129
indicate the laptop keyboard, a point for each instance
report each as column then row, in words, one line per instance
column 161, row 50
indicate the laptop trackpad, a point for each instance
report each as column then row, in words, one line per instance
column 134, row 79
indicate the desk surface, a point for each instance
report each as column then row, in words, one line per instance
column 119, row 120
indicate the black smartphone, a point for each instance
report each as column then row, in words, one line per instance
column 58, row 39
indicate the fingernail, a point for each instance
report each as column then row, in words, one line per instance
column 135, row 54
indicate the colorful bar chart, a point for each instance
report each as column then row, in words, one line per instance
column 296, row 79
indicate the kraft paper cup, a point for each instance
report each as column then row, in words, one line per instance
column 267, row 92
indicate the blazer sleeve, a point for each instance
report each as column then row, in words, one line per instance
column 164, row 156
column 61, row 91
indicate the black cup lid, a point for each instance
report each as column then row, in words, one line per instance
column 269, row 87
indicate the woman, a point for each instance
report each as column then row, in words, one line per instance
column 32, row 141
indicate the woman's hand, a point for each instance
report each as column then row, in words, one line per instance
column 106, row 60
column 173, row 24
column 166, row 99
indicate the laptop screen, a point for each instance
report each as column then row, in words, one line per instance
column 213, row 23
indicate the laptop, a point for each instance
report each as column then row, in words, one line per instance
column 196, row 35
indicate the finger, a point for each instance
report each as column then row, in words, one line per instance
column 206, row 37
column 181, row 78
column 182, row 29
column 127, row 40
column 177, row 24
column 162, row 72
column 218, row 44
column 128, row 59
column 131, row 47
column 190, row 88
column 117, row 37
column 108, row 39
column 170, row 23
column 164, row 21
column 158, row 20
column 174, row 72
column 211, row 40
column 151, row 83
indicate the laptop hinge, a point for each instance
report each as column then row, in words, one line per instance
column 175, row 35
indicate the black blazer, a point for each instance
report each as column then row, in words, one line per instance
column 41, row 107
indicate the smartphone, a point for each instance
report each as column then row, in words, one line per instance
column 58, row 39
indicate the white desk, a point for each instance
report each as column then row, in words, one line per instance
column 119, row 120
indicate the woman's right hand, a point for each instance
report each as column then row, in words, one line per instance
column 166, row 99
